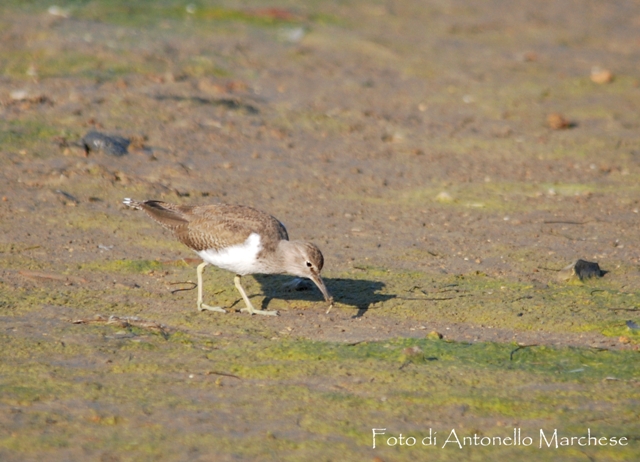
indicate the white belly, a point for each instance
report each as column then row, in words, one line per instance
column 240, row 259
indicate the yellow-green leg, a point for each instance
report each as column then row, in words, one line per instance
column 247, row 302
column 202, row 306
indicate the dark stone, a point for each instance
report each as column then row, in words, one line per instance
column 110, row 144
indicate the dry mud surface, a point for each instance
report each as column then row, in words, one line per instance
column 448, row 158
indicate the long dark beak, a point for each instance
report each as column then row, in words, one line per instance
column 327, row 297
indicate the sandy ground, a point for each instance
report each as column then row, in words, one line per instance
column 423, row 151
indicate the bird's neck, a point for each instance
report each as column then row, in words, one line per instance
column 276, row 262
column 285, row 256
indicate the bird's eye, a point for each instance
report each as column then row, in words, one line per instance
column 309, row 264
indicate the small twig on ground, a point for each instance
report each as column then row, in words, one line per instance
column 223, row 374
column 68, row 196
column 561, row 222
column 25, row 249
column 520, row 347
column 194, row 285
column 524, row 297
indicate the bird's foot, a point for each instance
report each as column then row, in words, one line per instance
column 203, row 307
column 249, row 306
column 252, row 310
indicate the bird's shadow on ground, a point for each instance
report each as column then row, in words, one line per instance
column 359, row 293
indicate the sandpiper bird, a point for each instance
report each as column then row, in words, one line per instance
column 239, row 239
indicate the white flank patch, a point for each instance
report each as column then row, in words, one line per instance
column 240, row 259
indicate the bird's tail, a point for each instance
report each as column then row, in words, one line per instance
column 131, row 203
column 168, row 215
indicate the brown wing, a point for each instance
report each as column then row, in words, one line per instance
column 216, row 226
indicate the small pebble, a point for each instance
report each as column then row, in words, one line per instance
column 19, row 95
column 444, row 197
column 601, row 76
column 556, row 121
column 55, row 10
column 113, row 145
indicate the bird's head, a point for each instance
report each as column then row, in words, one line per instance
column 304, row 259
